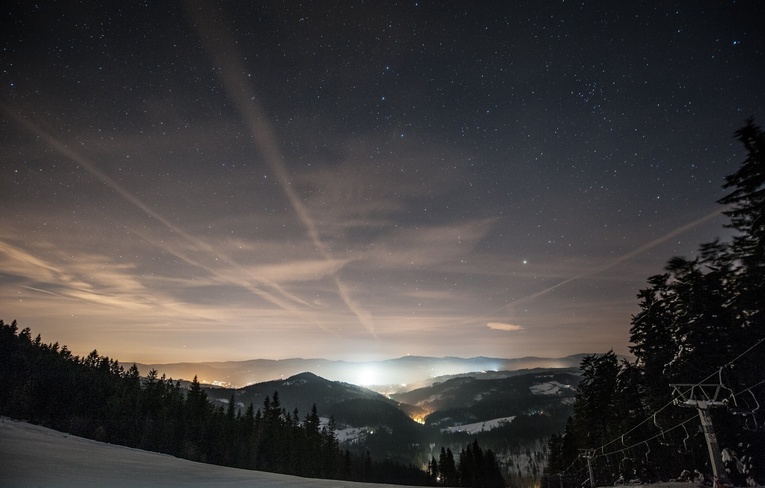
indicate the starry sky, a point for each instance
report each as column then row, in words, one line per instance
column 361, row 180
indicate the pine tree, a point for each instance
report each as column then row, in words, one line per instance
column 595, row 403
column 312, row 446
column 368, row 468
column 492, row 471
column 747, row 200
column 694, row 319
column 448, row 468
column 746, row 209
column 433, row 472
column 330, row 449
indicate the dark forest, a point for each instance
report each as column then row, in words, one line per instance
column 97, row 398
column 700, row 327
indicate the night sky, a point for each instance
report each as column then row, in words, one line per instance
column 361, row 180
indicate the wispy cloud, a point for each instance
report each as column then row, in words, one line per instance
column 252, row 283
column 503, row 326
column 424, row 246
column 224, row 54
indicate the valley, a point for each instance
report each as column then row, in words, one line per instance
column 509, row 412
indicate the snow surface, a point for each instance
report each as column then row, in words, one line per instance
column 551, row 388
column 352, row 434
column 430, row 399
column 347, row 433
column 34, row 456
column 479, row 426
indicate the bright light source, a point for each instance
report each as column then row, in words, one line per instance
column 367, row 376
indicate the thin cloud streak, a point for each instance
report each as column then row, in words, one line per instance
column 39, row 290
column 113, row 288
column 222, row 49
column 93, row 170
column 620, row 259
column 240, row 277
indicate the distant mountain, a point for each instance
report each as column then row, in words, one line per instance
column 465, row 399
column 508, row 411
column 300, row 392
column 468, row 399
column 387, row 375
column 382, row 425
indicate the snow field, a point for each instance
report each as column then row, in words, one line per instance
column 34, row 456
column 479, row 426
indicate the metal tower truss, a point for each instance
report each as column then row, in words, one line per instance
column 702, row 397
column 695, row 395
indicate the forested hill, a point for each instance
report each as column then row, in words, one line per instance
column 300, row 391
column 701, row 324
column 97, row 398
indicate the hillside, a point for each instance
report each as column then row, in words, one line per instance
column 469, row 399
column 300, row 391
column 376, row 437
column 33, row 456
column 507, row 411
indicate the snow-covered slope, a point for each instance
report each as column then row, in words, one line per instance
column 551, row 388
column 476, row 427
column 33, row 456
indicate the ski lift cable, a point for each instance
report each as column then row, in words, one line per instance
column 577, row 473
column 672, row 402
column 664, row 431
column 578, row 458
column 718, row 373
column 657, row 436
column 751, row 387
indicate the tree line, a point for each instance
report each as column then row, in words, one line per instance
column 476, row 467
column 701, row 320
column 97, row 398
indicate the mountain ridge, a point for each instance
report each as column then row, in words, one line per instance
column 415, row 371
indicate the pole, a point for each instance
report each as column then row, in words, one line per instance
column 718, row 470
column 589, row 455
column 703, row 397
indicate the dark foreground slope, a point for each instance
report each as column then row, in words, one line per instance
column 31, row 455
